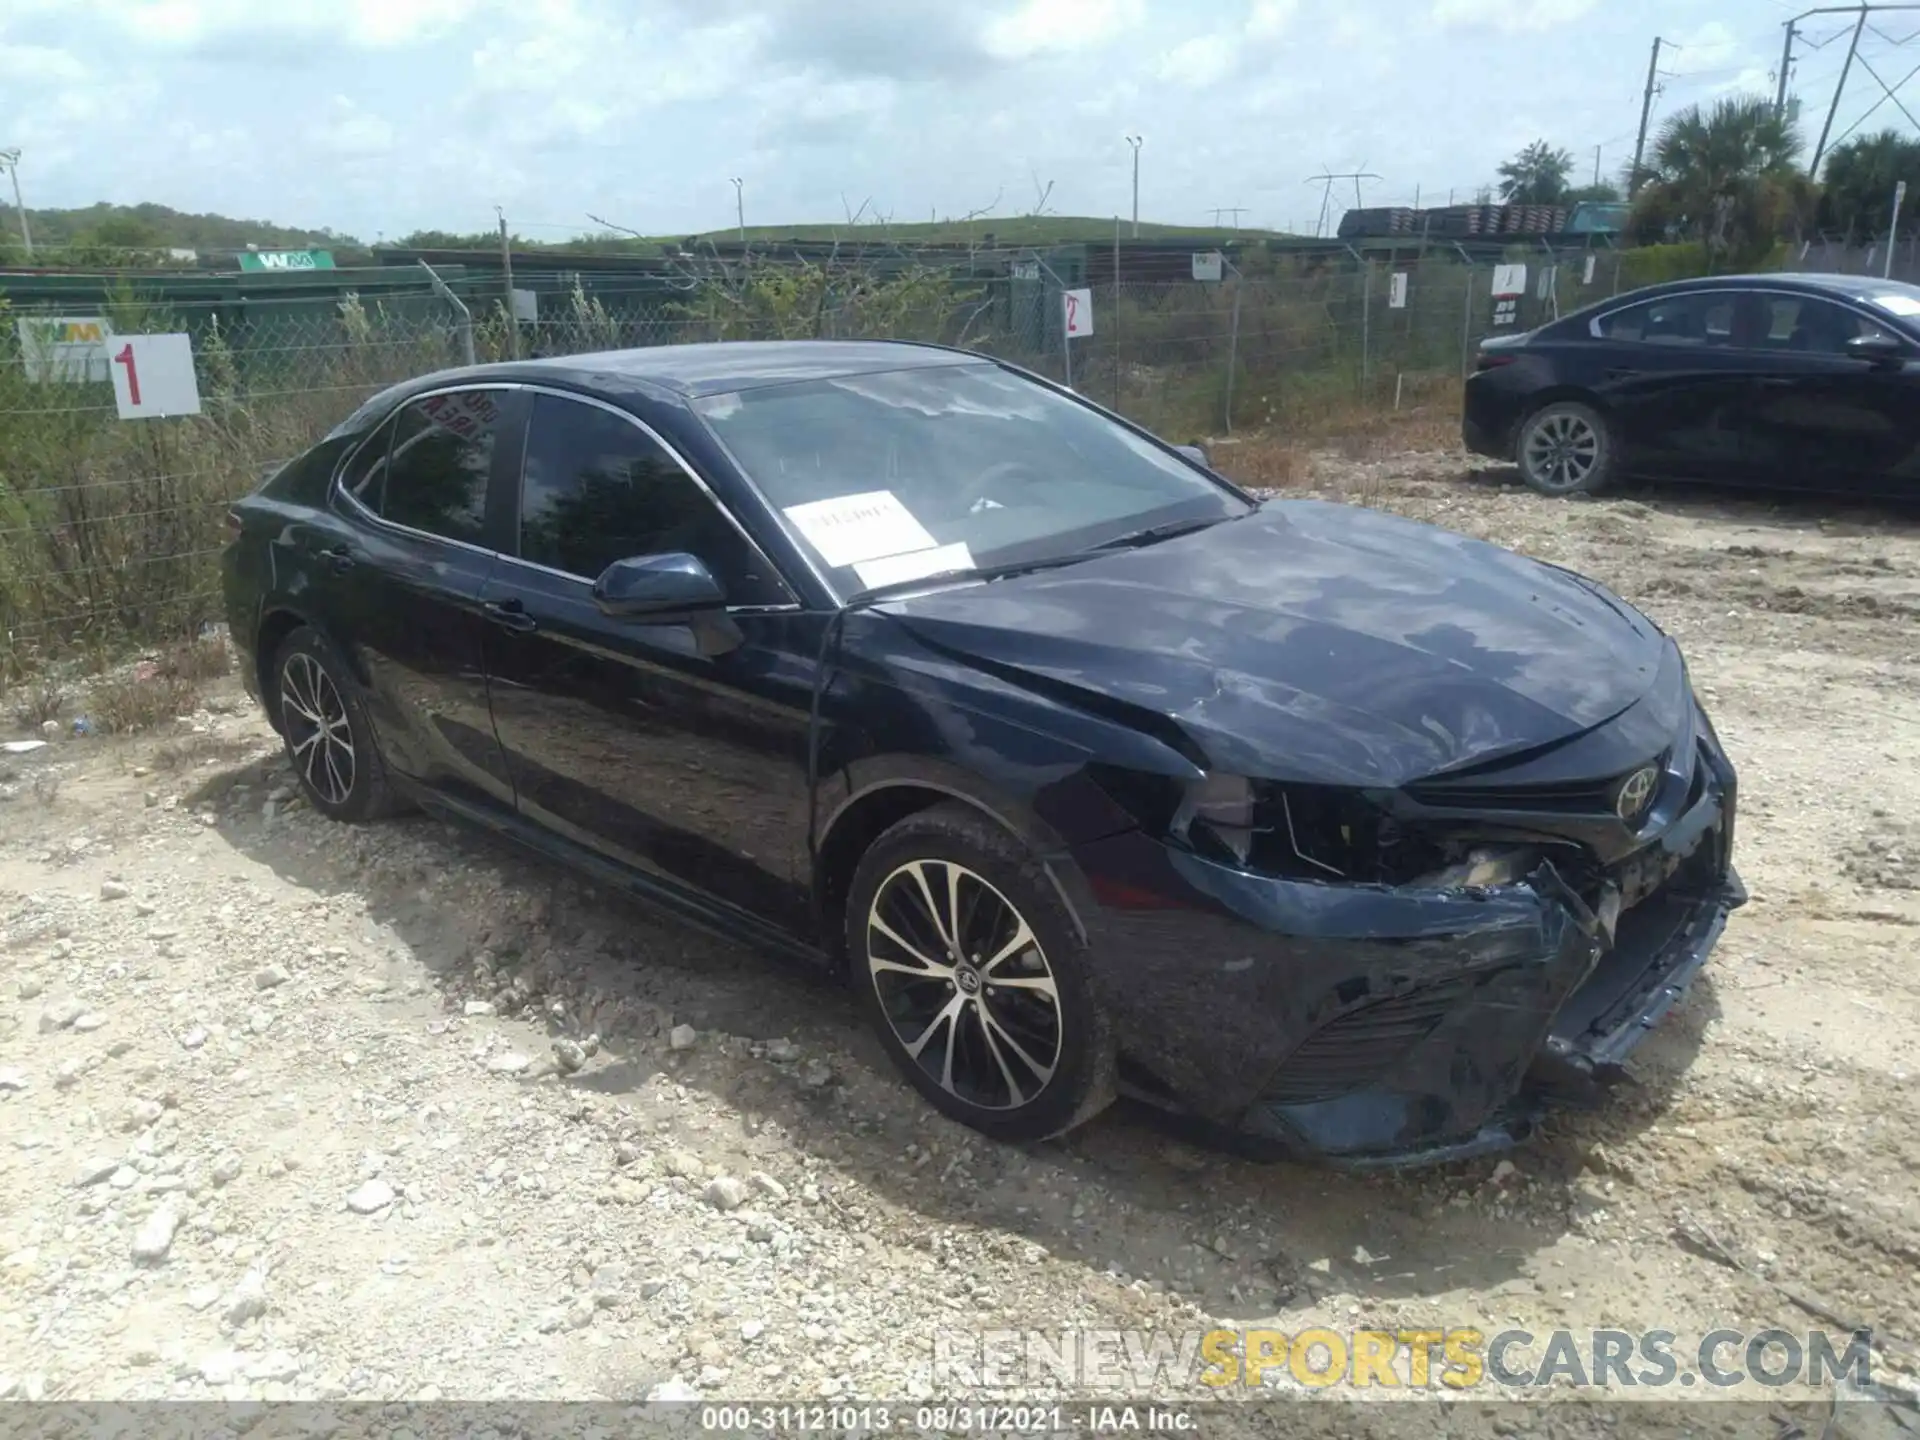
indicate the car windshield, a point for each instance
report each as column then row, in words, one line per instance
column 1904, row 302
column 891, row 476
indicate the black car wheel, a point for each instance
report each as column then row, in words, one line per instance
column 1565, row 449
column 975, row 978
column 324, row 725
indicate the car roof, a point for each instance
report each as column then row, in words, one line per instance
column 695, row 370
column 1851, row 287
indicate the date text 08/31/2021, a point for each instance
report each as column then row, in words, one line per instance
column 748, row 1419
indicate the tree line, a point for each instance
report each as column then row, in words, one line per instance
column 1733, row 178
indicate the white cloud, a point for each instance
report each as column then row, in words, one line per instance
column 640, row 109
column 39, row 65
column 350, row 130
column 1513, row 17
column 370, row 23
column 1201, row 61
column 1269, row 18
column 1051, row 26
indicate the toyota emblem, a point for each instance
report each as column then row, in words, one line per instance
column 1636, row 791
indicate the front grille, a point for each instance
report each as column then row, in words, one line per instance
column 1355, row 1050
column 1589, row 796
column 1577, row 797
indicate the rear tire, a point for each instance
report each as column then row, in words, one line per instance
column 975, row 979
column 1565, row 448
column 324, row 725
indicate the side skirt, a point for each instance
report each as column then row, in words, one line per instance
column 722, row 923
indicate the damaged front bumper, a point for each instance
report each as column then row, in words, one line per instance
column 1376, row 1026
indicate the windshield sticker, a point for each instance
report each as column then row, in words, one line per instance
column 851, row 528
column 1898, row 304
column 916, row 566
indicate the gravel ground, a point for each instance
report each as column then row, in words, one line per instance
column 289, row 1109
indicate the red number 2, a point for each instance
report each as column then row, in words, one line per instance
column 125, row 357
column 1073, row 322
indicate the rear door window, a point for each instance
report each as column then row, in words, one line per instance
column 438, row 464
column 1703, row 318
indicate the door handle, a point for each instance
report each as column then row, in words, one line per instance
column 339, row 558
column 510, row 615
column 1621, row 373
column 1774, row 382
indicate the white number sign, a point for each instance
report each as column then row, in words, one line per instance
column 1076, row 310
column 1509, row 280
column 1586, row 273
column 1208, row 265
column 1397, row 291
column 153, row 376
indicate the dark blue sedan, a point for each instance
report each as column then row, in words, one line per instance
column 1088, row 771
column 1800, row 382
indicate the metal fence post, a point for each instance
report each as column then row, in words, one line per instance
column 1366, row 325
column 1233, row 348
column 466, row 315
column 1119, row 351
column 1466, row 328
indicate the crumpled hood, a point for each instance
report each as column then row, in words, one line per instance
column 1316, row 642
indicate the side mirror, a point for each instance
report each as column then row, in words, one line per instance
column 662, row 587
column 1879, row 349
column 1196, row 453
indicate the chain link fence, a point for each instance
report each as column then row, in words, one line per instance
column 110, row 529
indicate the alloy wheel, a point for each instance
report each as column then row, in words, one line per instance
column 1562, row 451
column 965, row 984
column 319, row 736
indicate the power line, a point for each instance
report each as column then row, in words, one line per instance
column 1326, row 198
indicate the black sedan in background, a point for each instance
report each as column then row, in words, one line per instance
column 1805, row 382
column 1085, row 769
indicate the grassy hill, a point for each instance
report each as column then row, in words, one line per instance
column 109, row 228
column 136, row 234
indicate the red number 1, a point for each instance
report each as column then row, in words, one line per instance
column 125, row 357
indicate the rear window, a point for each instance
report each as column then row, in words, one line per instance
column 1698, row 319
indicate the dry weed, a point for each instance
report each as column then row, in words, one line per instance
column 126, row 703
column 37, row 702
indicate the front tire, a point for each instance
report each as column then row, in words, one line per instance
column 324, row 725
column 1566, row 448
column 975, row 979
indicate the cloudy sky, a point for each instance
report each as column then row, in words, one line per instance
column 382, row 116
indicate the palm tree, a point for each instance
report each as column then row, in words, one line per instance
column 1860, row 179
column 1727, row 178
column 1536, row 176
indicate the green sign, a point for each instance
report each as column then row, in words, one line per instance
column 286, row 260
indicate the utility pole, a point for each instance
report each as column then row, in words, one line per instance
column 1786, row 65
column 506, row 268
column 1234, row 210
column 740, row 208
column 1136, row 141
column 10, row 162
column 1596, row 167
column 1839, row 86
column 1326, row 195
column 1646, row 114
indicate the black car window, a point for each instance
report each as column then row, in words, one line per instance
column 364, row 477
column 1702, row 318
column 597, row 488
column 438, row 464
column 1803, row 324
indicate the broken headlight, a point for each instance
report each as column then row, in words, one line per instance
column 1483, row 868
column 1220, row 808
